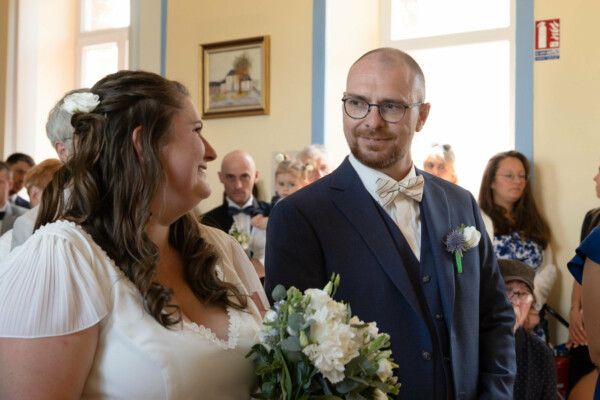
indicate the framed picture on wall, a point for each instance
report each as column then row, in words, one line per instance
column 234, row 78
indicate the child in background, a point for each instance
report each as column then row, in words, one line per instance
column 290, row 176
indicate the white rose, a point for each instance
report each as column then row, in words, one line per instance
column 471, row 236
column 332, row 347
column 80, row 102
column 270, row 316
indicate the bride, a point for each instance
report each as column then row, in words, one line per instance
column 121, row 293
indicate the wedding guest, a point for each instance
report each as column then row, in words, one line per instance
column 290, row 176
column 8, row 211
column 536, row 373
column 518, row 230
column 238, row 175
column 121, row 283
column 19, row 163
column 38, row 178
column 451, row 328
column 585, row 267
column 582, row 372
column 316, row 160
column 440, row 162
column 60, row 133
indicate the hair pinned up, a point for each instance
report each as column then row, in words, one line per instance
column 111, row 190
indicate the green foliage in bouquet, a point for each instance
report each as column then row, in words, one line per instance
column 313, row 348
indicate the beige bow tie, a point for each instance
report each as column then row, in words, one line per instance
column 388, row 189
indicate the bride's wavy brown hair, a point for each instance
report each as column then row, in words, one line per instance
column 110, row 190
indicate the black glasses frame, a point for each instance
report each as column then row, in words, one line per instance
column 406, row 107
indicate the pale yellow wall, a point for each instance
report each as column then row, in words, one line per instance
column 3, row 56
column 289, row 25
column 567, row 135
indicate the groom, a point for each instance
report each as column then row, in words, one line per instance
column 451, row 330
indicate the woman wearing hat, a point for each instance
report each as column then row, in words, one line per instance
column 536, row 373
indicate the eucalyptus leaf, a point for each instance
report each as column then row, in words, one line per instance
column 279, row 293
column 295, row 321
column 345, row 386
column 291, row 343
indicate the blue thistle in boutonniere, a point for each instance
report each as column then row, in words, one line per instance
column 461, row 239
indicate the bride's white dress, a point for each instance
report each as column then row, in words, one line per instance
column 60, row 281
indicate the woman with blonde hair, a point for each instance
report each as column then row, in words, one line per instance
column 440, row 162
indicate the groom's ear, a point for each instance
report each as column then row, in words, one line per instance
column 423, row 114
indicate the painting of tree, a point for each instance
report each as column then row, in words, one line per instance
column 241, row 66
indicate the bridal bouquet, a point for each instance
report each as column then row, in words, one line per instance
column 313, row 348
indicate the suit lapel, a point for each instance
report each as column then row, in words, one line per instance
column 352, row 197
column 435, row 219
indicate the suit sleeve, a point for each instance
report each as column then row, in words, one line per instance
column 294, row 256
column 497, row 359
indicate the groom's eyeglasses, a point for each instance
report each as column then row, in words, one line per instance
column 389, row 111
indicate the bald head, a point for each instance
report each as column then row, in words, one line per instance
column 238, row 175
column 394, row 58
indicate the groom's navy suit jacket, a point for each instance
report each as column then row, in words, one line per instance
column 335, row 225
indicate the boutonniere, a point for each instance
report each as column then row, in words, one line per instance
column 242, row 238
column 461, row 239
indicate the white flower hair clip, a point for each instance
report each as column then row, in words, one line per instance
column 84, row 102
column 280, row 157
column 308, row 167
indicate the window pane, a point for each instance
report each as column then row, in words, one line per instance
column 469, row 91
column 421, row 18
column 98, row 61
column 104, row 14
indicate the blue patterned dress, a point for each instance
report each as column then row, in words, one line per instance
column 511, row 246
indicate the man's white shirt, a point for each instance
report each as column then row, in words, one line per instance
column 404, row 211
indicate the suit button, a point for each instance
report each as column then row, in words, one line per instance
column 439, row 316
column 446, row 359
column 426, row 279
column 426, row 355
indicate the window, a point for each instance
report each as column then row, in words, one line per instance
column 466, row 49
column 102, row 39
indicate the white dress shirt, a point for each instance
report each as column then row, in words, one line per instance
column 404, row 211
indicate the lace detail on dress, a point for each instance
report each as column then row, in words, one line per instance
column 233, row 315
column 233, row 331
column 511, row 246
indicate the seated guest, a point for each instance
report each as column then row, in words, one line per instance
column 19, row 163
column 582, row 372
column 121, row 283
column 8, row 211
column 517, row 229
column 238, row 175
column 440, row 162
column 316, row 160
column 36, row 180
column 60, row 133
column 536, row 373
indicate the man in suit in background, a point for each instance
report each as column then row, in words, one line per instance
column 8, row 211
column 381, row 224
column 239, row 175
column 19, row 163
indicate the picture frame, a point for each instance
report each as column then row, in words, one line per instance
column 234, row 78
